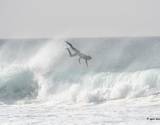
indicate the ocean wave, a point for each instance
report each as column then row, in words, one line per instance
column 101, row 87
column 120, row 68
column 17, row 83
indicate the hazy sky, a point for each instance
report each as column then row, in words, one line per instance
column 49, row 18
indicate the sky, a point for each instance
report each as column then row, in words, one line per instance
column 79, row 18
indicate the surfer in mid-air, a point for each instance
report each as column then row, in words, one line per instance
column 78, row 53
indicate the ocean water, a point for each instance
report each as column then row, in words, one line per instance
column 41, row 85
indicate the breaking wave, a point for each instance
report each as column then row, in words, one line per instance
column 17, row 83
column 40, row 69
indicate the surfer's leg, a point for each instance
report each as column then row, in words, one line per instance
column 79, row 60
column 71, row 55
column 86, row 62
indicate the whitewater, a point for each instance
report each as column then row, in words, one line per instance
column 41, row 85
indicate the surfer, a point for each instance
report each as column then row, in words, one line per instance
column 78, row 53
